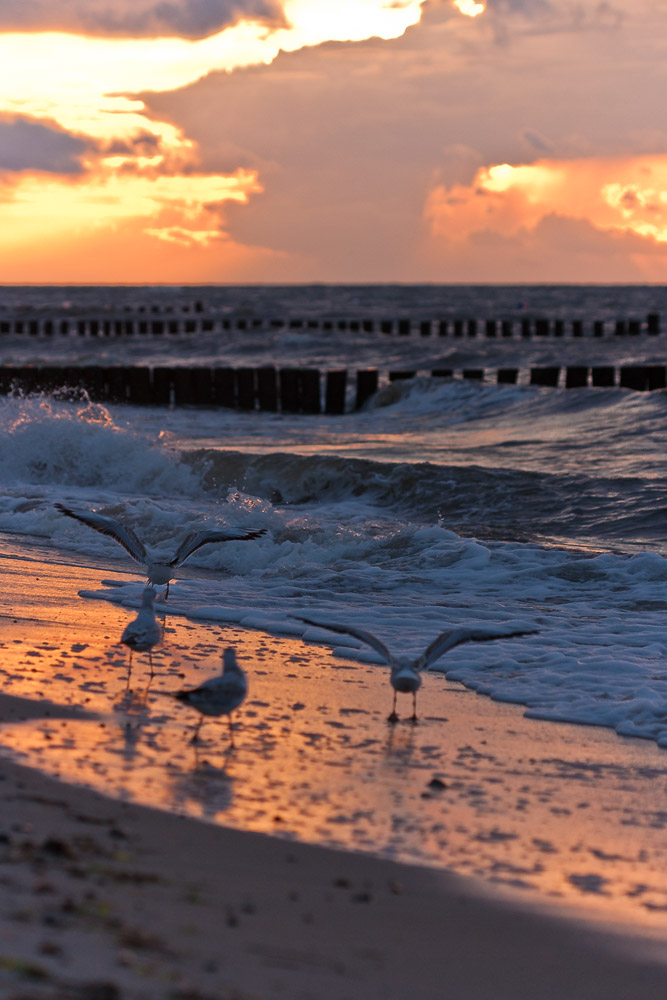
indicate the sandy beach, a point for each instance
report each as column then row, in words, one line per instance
column 539, row 847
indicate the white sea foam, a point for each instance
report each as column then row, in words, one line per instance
column 451, row 503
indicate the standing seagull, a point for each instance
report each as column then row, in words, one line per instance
column 159, row 573
column 405, row 674
column 144, row 632
column 219, row 696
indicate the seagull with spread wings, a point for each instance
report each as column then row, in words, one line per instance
column 405, row 677
column 159, row 572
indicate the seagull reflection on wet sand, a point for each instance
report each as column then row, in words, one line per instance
column 476, row 788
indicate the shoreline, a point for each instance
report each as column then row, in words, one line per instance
column 534, row 894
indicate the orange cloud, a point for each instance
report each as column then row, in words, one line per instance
column 616, row 195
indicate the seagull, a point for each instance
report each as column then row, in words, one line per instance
column 143, row 632
column 220, row 695
column 158, row 572
column 405, row 677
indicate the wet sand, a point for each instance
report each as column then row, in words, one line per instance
column 560, row 827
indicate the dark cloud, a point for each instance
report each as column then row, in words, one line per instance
column 187, row 18
column 26, row 144
column 183, row 18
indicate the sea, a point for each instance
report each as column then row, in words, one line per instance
column 443, row 502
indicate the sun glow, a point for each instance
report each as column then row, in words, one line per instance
column 617, row 198
column 39, row 206
column 469, row 7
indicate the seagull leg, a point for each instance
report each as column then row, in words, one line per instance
column 129, row 672
column 414, row 706
column 195, row 738
column 393, row 717
column 150, row 660
column 166, row 593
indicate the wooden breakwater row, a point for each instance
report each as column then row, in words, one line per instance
column 144, row 326
column 292, row 390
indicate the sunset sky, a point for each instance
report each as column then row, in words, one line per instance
column 237, row 141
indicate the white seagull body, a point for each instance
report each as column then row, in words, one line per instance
column 159, row 573
column 405, row 677
column 220, row 695
column 144, row 632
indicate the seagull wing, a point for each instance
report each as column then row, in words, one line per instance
column 447, row 640
column 108, row 526
column 357, row 633
column 199, row 538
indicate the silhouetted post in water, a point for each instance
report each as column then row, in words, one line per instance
column 367, row 384
column 442, row 328
column 425, row 328
column 398, row 375
column 441, row 372
column 542, row 327
column 387, row 326
column 634, row 327
column 335, row 391
column 476, row 374
column 544, row 376
column 81, row 327
column 577, row 328
column 93, row 380
column 138, row 382
column 458, row 327
column 653, row 323
column 603, row 376
column 507, row 327
column 157, row 327
column 117, row 383
column 507, row 376
column 202, row 386
column 620, row 328
column 267, row 388
column 491, row 328
column 368, row 326
column 161, row 386
column 299, row 390
column 576, row 377
column 643, row 377
column 64, row 327
column 246, row 391
column 309, row 391
column 404, row 327
column 525, row 326
column 471, row 327
column 224, row 387
column 48, row 328
column 598, row 328
column 289, row 390
column 559, row 328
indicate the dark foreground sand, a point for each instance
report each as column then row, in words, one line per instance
column 102, row 899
